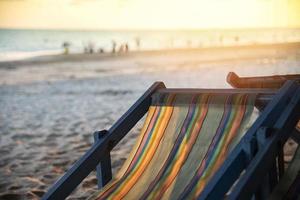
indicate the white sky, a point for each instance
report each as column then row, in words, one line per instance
column 148, row 14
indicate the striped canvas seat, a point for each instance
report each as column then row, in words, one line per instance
column 184, row 140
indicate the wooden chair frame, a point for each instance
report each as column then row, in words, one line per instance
column 242, row 168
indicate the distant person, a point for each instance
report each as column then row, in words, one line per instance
column 101, row 50
column 85, row 49
column 91, row 46
column 66, row 46
column 114, row 46
column 121, row 48
column 126, row 47
column 138, row 43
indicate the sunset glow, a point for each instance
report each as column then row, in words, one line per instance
column 148, row 14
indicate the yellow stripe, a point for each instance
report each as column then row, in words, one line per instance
column 137, row 143
column 158, row 133
column 150, row 114
column 222, row 155
column 185, row 147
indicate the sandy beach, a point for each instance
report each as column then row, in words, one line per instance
column 51, row 105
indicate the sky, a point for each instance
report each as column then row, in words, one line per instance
column 148, row 14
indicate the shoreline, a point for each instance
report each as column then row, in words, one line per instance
column 85, row 66
column 82, row 57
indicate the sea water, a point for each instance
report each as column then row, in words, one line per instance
column 20, row 44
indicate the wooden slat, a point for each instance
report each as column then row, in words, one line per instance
column 103, row 169
column 218, row 91
column 260, row 82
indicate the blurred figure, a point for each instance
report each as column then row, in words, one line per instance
column 138, row 43
column 91, row 46
column 85, row 50
column 101, row 50
column 126, row 47
column 121, row 48
column 114, row 45
column 66, row 46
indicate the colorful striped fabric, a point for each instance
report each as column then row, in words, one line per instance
column 184, row 140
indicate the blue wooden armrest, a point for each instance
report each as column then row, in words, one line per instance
column 100, row 150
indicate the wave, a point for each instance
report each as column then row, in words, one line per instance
column 22, row 55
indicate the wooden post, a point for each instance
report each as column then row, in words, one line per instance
column 103, row 169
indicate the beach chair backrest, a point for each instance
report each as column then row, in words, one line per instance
column 184, row 140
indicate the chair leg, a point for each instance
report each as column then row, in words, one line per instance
column 103, row 169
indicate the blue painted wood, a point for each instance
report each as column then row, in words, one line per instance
column 133, row 115
column 250, row 148
column 261, row 163
column 273, row 110
column 263, row 133
column 264, row 188
column 223, row 180
column 280, row 160
column 103, row 169
column 88, row 162
column 82, row 168
column 271, row 178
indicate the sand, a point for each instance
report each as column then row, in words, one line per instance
column 50, row 106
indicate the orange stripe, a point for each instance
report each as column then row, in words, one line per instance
column 155, row 141
column 152, row 110
column 222, row 155
column 186, row 148
column 146, row 128
column 139, row 140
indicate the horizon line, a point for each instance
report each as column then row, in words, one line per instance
column 144, row 29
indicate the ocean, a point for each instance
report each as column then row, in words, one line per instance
column 21, row 44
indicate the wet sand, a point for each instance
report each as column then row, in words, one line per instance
column 50, row 106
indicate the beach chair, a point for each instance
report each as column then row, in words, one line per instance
column 289, row 182
column 194, row 145
column 275, row 81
